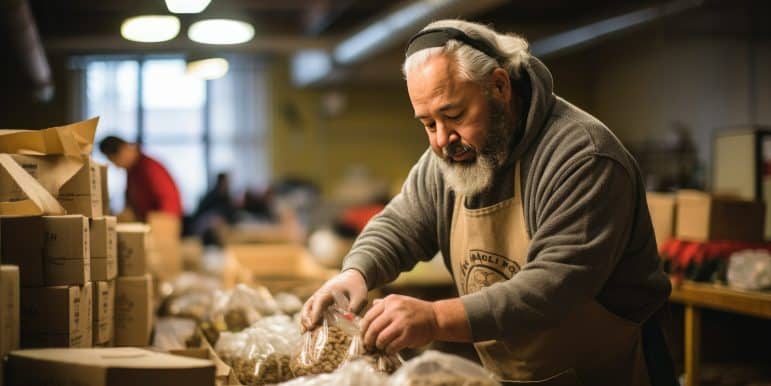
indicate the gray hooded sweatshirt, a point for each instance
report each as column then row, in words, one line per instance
column 585, row 211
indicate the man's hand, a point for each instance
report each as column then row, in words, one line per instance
column 350, row 283
column 396, row 322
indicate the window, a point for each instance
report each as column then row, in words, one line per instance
column 195, row 128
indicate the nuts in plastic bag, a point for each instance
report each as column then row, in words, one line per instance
column 380, row 361
column 264, row 358
column 324, row 348
column 433, row 368
column 238, row 309
column 355, row 373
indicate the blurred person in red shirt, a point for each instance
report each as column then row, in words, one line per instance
column 149, row 186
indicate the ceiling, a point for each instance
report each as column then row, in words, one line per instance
column 285, row 26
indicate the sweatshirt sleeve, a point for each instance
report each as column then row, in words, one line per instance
column 583, row 224
column 403, row 233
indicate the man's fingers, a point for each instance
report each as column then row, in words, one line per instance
column 374, row 330
column 371, row 315
column 397, row 344
column 387, row 336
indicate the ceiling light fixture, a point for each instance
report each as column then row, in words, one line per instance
column 220, row 31
column 187, row 6
column 208, row 68
column 150, row 28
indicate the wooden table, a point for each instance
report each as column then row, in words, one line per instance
column 696, row 296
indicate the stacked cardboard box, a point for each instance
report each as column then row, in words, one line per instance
column 705, row 217
column 9, row 309
column 133, row 288
column 104, row 270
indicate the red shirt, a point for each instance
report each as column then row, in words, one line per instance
column 149, row 188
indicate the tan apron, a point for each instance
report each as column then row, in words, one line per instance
column 591, row 346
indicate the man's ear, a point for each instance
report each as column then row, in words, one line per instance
column 501, row 84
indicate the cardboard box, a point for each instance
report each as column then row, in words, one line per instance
column 67, row 250
column 9, row 309
column 104, row 248
column 133, row 310
column 104, row 311
column 703, row 217
column 59, row 316
column 49, row 250
column 124, row 366
column 132, row 249
column 21, row 244
column 165, row 257
column 105, row 189
column 662, row 210
column 82, row 194
column 23, row 195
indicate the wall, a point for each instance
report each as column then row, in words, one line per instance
column 376, row 129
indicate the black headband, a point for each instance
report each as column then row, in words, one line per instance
column 437, row 37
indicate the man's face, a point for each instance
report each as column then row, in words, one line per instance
column 124, row 157
column 469, row 127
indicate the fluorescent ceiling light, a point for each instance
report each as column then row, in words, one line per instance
column 309, row 66
column 358, row 45
column 220, row 31
column 187, row 6
column 150, row 28
column 209, row 68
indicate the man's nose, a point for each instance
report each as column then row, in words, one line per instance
column 445, row 135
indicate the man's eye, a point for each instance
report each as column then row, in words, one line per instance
column 455, row 116
column 430, row 126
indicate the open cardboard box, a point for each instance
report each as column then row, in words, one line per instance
column 42, row 164
column 225, row 376
column 279, row 267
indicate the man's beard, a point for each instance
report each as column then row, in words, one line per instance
column 470, row 178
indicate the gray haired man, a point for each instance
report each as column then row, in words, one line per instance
column 539, row 212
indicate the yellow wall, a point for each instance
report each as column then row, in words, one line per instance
column 375, row 129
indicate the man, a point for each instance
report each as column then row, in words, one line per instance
column 149, row 187
column 541, row 217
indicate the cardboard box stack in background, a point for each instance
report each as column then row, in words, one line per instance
column 53, row 189
column 704, row 217
column 133, row 288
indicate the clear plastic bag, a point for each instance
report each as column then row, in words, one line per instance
column 355, row 373
column 750, row 269
column 337, row 341
column 288, row 303
column 229, row 346
column 324, row 348
column 433, row 368
column 264, row 358
column 241, row 307
column 380, row 361
column 282, row 325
